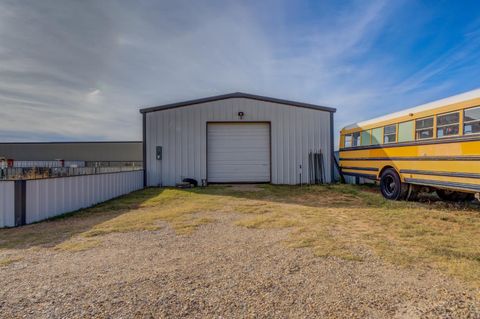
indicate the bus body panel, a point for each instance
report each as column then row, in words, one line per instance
column 451, row 162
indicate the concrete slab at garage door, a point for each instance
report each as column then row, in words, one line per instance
column 238, row 152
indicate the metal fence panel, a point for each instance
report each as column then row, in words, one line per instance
column 29, row 164
column 7, row 204
column 27, row 173
column 46, row 198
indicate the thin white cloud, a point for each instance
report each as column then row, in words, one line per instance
column 94, row 96
column 460, row 55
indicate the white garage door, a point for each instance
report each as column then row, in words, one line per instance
column 238, row 152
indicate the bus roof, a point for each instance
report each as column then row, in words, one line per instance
column 420, row 108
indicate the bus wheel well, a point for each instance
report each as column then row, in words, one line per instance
column 385, row 168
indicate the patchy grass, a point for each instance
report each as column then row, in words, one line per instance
column 9, row 260
column 268, row 221
column 77, row 244
column 138, row 211
column 179, row 208
column 345, row 221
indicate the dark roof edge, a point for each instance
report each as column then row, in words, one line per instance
column 237, row 95
column 74, row 142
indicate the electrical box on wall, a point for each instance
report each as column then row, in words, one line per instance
column 159, row 153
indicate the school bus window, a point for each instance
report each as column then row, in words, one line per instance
column 390, row 134
column 406, row 132
column 448, row 124
column 356, row 139
column 424, row 128
column 471, row 121
column 365, row 137
column 377, row 135
column 348, row 140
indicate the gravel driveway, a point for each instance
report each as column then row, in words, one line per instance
column 220, row 270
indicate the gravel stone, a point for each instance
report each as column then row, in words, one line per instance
column 221, row 271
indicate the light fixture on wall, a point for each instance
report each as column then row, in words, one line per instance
column 241, row 114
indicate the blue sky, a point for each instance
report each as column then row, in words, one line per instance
column 80, row 70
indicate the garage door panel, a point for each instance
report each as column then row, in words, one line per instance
column 242, row 157
column 238, row 152
column 237, row 163
column 233, row 169
column 234, row 177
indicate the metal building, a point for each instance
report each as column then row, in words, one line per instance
column 235, row 138
column 128, row 151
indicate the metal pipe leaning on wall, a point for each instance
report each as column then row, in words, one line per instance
column 316, row 167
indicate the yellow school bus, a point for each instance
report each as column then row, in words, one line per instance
column 431, row 147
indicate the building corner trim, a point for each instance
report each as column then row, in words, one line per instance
column 20, row 205
column 144, row 148
column 332, row 149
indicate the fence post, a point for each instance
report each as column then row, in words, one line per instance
column 20, row 202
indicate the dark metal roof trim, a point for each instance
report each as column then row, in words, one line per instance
column 73, row 142
column 237, row 95
column 144, row 148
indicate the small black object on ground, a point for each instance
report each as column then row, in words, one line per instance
column 187, row 183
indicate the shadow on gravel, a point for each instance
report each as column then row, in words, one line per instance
column 56, row 230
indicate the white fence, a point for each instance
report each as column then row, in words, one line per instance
column 46, row 198
column 7, row 204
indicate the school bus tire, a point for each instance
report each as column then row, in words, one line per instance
column 391, row 185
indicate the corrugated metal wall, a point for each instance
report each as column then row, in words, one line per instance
column 73, row 151
column 7, row 204
column 46, row 198
column 182, row 134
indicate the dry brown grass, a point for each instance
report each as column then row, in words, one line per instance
column 344, row 220
column 78, row 244
column 9, row 260
column 183, row 210
column 339, row 220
